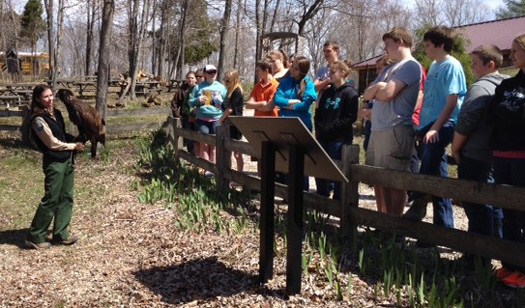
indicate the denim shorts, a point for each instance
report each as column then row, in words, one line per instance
column 206, row 127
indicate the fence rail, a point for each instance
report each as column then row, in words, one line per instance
column 348, row 208
column 110, row 129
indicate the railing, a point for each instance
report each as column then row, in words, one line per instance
column 110, row 129
column 348, row 210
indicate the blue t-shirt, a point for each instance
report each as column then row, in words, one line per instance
column 444, row 78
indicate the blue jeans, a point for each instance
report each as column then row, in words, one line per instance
column 482, row 219
column 368, row 132
column 434, row 162
column 511, row 171
column 333, row 149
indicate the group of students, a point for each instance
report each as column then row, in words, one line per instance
column 484, row 125
column 282, row 90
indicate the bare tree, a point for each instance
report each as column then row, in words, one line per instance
column 428, row 13
column 317, row 32
column 2, row 34
column 225, row 25
column 237, row 33
column 54, row 43
column 104, row 53
column 308, row 11
column 137, row 32
column 92, row 7
column 183, row 23
column 463, row 12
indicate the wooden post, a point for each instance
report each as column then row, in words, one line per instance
column 223, row 157
column 267, row 211
column 295, row 220
column 350, row 192
column 26, row 125
column 174, row 138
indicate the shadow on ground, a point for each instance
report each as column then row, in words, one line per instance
column 201, row 279
column 13, row 237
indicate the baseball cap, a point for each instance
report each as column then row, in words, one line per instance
column 209, row 68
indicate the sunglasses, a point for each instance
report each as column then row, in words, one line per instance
column 211, row 72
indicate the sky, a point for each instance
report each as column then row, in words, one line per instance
column 493, row 4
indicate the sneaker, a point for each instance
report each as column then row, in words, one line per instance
column 33, row 245
column 208, row 174
column 515, row 280
column 502, row 273
column 418, row 210
column 72, row 239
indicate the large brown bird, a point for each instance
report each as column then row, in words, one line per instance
column 91, row 126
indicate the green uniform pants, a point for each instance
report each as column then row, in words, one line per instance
column 57, row 202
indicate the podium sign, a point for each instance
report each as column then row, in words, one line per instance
column 283, row 132
column 285, row 144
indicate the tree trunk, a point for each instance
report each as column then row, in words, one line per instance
column 164, row 38
column 91, row 13
column 57, row 55
column 2, row 47
column 308, row 14
column 154, row 42
column 33, row 64
column 274, row 18
column 258, row 34
column 181, row 72
column 137, row 35
column 49, row 6
column 237, row 31
column 132, row 46
column 103, row 61
column 16, row 25
column 225, row 25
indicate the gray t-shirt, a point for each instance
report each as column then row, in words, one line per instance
column 386, row 115
column 323, row 73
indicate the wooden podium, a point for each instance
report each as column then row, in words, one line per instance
column 286, row 145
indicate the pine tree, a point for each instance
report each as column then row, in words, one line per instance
column 33, row 25
column 514, row 8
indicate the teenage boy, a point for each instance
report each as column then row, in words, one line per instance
column 322, row 76
column 444, row 90
column 395, row 92
column 470, row 146
column 262, row 94
column 261, row 98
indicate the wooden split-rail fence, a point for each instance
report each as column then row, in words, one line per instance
column 110, row 129
column 348, row 210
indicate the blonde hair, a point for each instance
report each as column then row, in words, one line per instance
column 281, row 55
column 235, row 82
column 520, row 40
column 341, row 65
